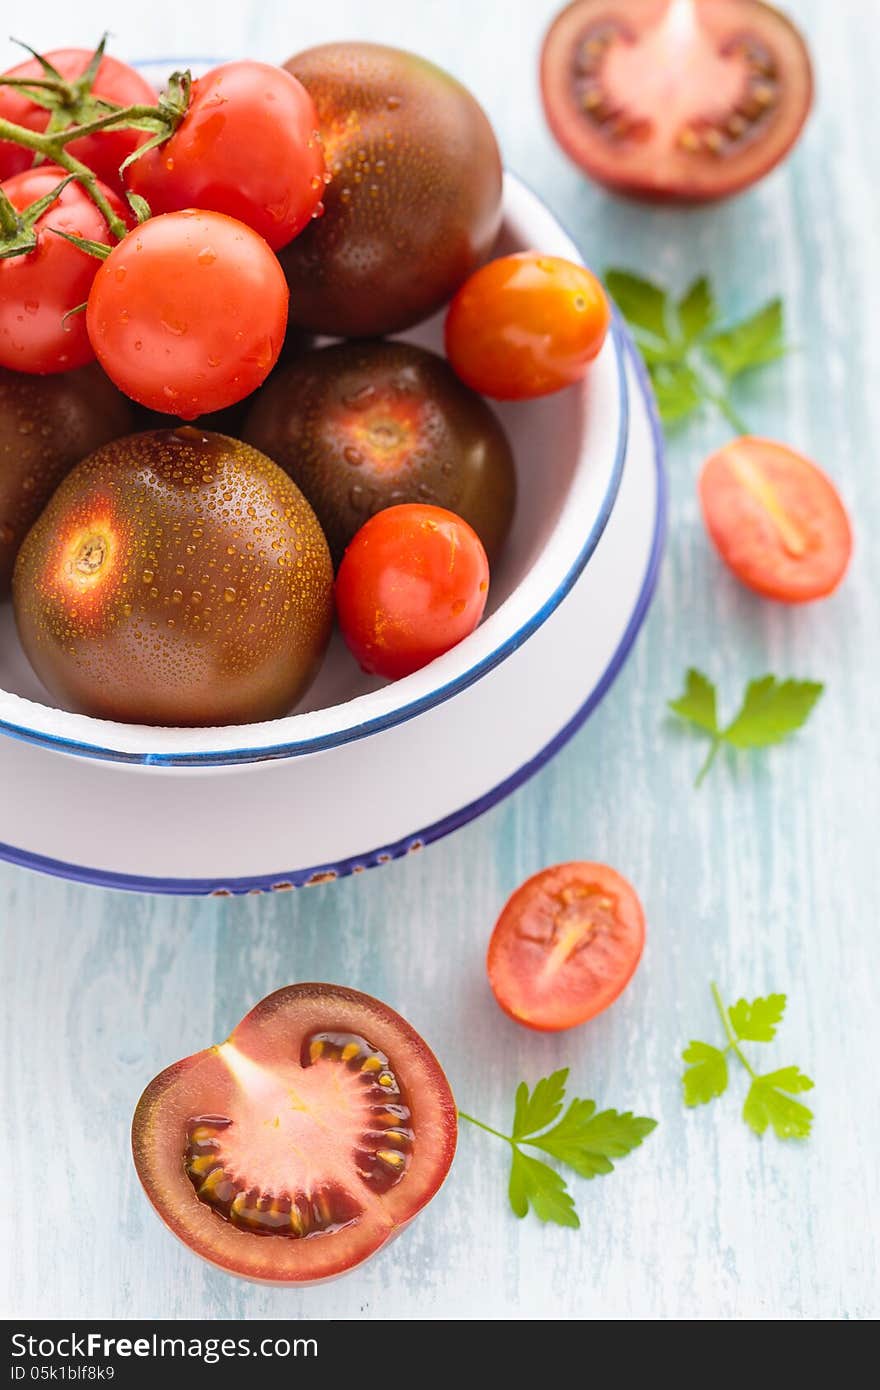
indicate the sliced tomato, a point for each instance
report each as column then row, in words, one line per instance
column 565, row 945
column 298, row 1147
column 776, row 520
column 679, row 100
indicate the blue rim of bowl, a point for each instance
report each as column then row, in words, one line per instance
column 236, row 887
column 299, row 747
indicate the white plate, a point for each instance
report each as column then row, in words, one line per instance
column 336, row 811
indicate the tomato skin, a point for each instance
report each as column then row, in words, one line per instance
column 104, row 151
column 270, row 1036
column 412, row 584
column 565, row 946
column 526, row 325
column 245, row 147
column 187, row 314
column 38, row 289
column 776, row 520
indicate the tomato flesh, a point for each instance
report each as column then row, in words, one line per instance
column 776, row 520
column 566, row 944
column 188, row 314
column 297, row 1148
column 247, row 146
column 526, row 325
column 679, row 100
column 412, row 584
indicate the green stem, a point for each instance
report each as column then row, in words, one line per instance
column 51, row 83
column 52, row 148
column 728, row 1028
column 716, row 744
column 731, row 415
column 8, row 216
column 488, row 1128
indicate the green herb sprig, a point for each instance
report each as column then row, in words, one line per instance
column 770, row 1099
column 770, row 711
column 692, row 362
column 584, row 1139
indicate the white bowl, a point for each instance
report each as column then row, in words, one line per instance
column 301, row 820
column 569, row 451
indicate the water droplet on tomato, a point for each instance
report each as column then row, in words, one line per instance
column 229, row 596
column 207, row 256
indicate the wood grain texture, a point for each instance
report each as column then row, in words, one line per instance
column 766, row 879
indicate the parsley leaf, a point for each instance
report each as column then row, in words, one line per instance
column 677, row 389
column 698, row 703
column 757, row 1021
column 753, row 343
column 535, row 1184
column 642, row 303
column 587, row 1141
column 696, row 310
column 770, row 711
column 706, row 1077
column 536, row 1111
column 769, row 1102
column 583, row 1139
column 691, row 362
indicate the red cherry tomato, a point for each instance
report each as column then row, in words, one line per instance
column 104, row 151
column 675, row 100
column 248, row 146
column 776, row 520
column 526, row 325
column 39, row 288
column 565, row 945
column 295, row 1149
column 412, row 584
column 187, row 314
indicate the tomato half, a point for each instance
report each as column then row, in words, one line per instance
column 526, row 325
column 38, row 289
column 776, row 520
column 566, row 944
column 412, row 584
column 678, row 100
column 294, row 1150
column 247, row 146
column 114, row 81
column 187, row 314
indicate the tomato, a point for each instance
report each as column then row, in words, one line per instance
column 412, row 584
column 187, row 315
column 526, row 325
column 175, row 577
column 414, row 204
column 298, row 1147
column 565, row 946
column 114, row 81
column 247, row 146
column 39, row 288
column 776, row 520
column 48, row 424
column 366, row 425
column 676, row 100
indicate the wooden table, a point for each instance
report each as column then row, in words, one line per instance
column 765, row 880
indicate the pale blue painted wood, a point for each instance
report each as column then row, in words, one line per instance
column 765, row 880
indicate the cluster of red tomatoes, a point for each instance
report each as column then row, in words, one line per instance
column 193, row 244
